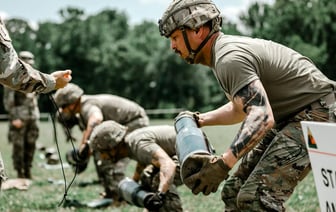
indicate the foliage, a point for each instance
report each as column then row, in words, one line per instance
column 22, row 33
column 107, row 55
column 306, row 26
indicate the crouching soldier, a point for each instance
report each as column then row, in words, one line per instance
column 88, row 111
column 153, row 148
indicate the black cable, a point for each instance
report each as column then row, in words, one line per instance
column 66, row 188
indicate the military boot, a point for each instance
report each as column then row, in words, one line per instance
column 20, row 174
column 27, row 173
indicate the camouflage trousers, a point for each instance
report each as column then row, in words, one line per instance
column 24, row 142
column 268, row 174
column 110, row 174
column 150, row 180
column 3, row 176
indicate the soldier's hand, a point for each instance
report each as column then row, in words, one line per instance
column 77, row 162
column 84, row 152
column 17, row 123
column 194, row 115
column 154, row 202
column 212, row 173
column 62, row 78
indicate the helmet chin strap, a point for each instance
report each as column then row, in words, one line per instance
column 192, row 53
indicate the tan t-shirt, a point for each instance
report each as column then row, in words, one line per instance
column 291, row 80
column 111, row 107
column 144, row 142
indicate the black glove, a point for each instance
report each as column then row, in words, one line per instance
column 79, row 162
column 212, row 173
column 154, row 202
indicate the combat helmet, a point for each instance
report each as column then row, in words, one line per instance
column 107, row 135
column 27, row 57
column 68, row 95
column 192, row 14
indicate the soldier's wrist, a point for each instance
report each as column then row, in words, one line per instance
column 224, row 163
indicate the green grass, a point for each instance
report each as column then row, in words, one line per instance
column 45, row 196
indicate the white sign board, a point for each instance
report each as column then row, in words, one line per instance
column 320, row 139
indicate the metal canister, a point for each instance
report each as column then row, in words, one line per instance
column 190, row 140
column 133, row 193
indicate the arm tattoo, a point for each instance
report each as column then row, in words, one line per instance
column 255, row 125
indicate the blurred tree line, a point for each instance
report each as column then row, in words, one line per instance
column 107, row 55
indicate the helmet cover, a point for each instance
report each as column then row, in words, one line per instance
column 189, row 13
column 68, row 95
column 107, row 135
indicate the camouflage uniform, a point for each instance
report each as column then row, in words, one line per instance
column 115, row 108
column 269, row 173
column 23, row 107
column 2, row 171
column 18, row 75
column 142, row 145
column 295, row 89
column 122, row 111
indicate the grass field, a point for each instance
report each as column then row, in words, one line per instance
column 48, row 188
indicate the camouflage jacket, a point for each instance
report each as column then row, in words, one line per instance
column 17, row 74
column 19, row 105
column 2, row 170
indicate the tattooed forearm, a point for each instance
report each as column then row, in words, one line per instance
column 256, row 123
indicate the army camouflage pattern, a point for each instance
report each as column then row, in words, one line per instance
column 107, row 135
column 268, row 174
column 68, row 95
column 142, row 144
column 22, row 106
column 17, row 74
column 24, row 143
column 110, row 174
column 3, row 176
column 118, row 109
column 189, row 13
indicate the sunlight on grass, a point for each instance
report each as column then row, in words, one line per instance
column 43, row 195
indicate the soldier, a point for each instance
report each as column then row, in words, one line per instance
column 23, row 130
column 90, row 111
column 153, row 148
column 271, row 89
column 18, row 75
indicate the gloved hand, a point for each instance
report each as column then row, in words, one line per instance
column 84, row 152
column 207, row 179
column 154, row 202
column 194, row 115
column 78, row 161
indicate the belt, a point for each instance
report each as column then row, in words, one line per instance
column 324, row 102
